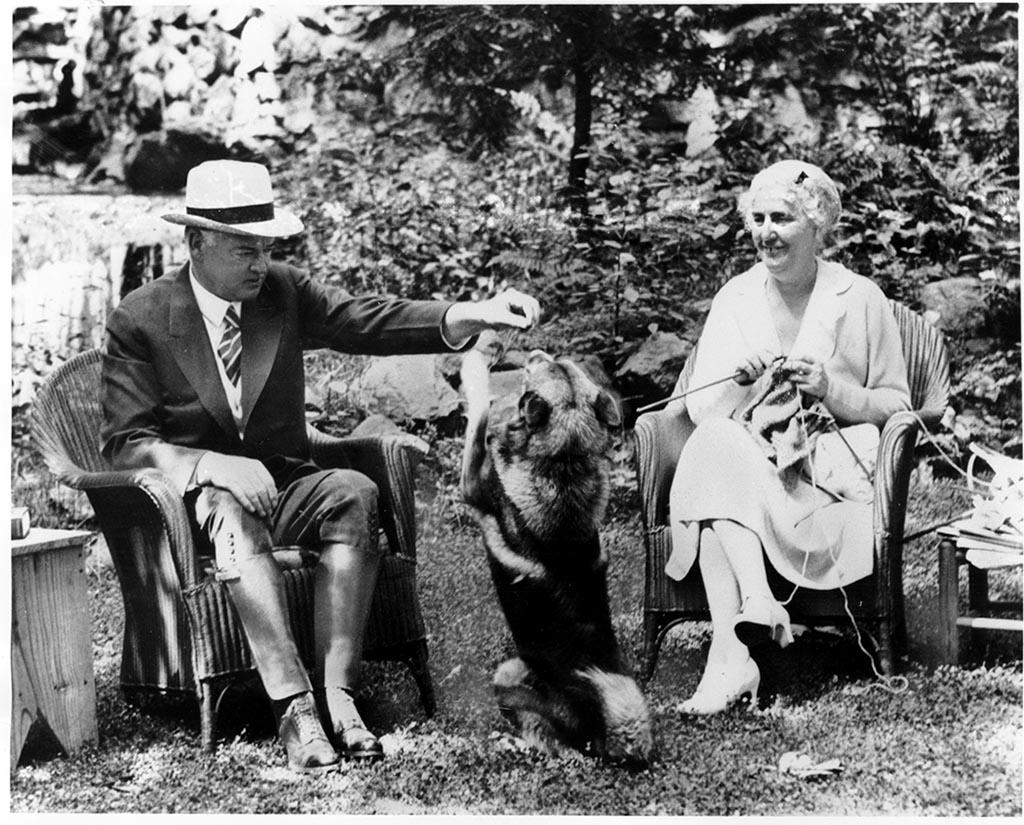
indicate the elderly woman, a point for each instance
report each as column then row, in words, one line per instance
column 793, row 317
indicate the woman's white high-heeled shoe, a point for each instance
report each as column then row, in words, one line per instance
column 763, row 619
column 718, row 693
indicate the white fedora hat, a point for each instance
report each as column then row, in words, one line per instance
column 235, row 197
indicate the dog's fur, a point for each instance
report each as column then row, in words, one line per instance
column 538, row 486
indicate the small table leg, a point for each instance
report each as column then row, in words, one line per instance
column 977, row 589
column 948, row 594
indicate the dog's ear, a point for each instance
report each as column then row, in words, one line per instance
column 606, row 408
column 534, row 410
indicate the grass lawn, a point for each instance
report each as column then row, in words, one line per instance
column 947, row 744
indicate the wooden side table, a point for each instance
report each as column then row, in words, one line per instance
column 51, row 639
column 978, row 602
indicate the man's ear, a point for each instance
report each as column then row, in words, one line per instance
column 607, row 409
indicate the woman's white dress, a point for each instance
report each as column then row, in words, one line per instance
column 809, row 537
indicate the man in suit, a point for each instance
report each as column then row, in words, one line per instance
column 203, row 380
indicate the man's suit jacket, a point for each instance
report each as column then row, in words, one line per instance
column 163, row 402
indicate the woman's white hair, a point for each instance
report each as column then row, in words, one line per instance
column 811, row 190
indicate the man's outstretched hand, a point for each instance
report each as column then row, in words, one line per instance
column 510, row 309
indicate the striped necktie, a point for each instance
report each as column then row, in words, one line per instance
column 230, row 349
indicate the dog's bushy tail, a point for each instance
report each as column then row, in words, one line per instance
column 629, row 738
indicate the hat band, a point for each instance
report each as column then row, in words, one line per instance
column 235, row 214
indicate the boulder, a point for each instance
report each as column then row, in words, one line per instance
column 203, row 62
column 220, row 102
column 651, row 372
column 375, row 424
column 299, row 45
column 267, row 87
column 958, row 303
column 256, row 46
column 405, row 387
column 230, row 17
column 177, row 113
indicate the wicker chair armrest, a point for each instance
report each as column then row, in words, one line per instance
column 892, row 476
column 390, row 462
column 156, row 500
column 660, row 437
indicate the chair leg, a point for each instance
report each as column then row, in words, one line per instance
column 207, row 718
column 885, row 652
column 949, row 581
column 417, row 661
column 652, row 642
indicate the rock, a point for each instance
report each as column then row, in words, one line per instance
column 146, row 59
column 177, row 37
column 652, row 371
column 376, row 424
column 299, row 119
column 406, row 387
column 220, row 102
column 257, row 46
column 203, row 62
column 246, row 108
column 227, row 50
column 267, row 87
column 958, row 302
column 146, row 94
column 230, row 17
column 200, row 14
column 177, row 114
column 168, row 15
column 299, row 45
column 332, row 46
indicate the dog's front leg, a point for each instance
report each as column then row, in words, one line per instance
column 476, row 386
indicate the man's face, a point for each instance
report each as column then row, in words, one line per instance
column 232, row 267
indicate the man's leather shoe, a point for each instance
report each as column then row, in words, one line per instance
column 351, row 737
column 303, row 737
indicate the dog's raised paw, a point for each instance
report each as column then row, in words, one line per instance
column 475, row 376
column 491, row 345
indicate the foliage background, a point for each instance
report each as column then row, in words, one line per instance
column 912, row 108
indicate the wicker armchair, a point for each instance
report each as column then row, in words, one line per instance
column 181, row 631
column 878, row 599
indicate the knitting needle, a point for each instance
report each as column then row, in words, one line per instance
column 736, row 376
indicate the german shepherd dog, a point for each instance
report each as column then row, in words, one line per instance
column 538, row 487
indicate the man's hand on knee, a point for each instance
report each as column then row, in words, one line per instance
column 245, row 478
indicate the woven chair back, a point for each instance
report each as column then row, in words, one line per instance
column 67, row 414
column 927, row 361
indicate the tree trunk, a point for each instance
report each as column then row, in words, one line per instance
column 579, row 160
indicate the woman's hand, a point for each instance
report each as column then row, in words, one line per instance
column 808, row 376
column 753, row 366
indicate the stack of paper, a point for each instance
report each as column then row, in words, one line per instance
column 993, row 531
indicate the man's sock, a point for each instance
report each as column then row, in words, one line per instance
column 341, row 707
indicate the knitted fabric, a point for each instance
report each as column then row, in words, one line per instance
column 785, row 423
